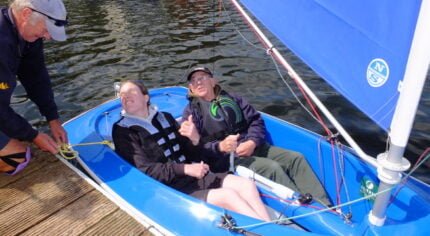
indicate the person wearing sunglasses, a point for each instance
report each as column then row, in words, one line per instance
column 227, row 123
column 24, row 26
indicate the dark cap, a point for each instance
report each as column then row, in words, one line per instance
column 195, row 69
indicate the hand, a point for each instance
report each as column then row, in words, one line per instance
column 197, row 170
column 189, row 130
column 246, row 148
column 229, row 144
column 58, row 131
column 46, row 143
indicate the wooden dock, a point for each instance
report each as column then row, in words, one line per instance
column 48, row 198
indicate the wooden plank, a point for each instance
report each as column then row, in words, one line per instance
column 76, row 217
column 55, row 179
column 38, row 195
column 117, row 223
column 38, row 161
column 48, row 198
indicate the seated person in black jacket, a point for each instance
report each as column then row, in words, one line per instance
column 150, row 140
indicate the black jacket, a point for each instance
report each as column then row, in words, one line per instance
column 148, row 156
column 23, row 61
column 252, row 129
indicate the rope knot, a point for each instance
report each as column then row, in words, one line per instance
column 67, row 152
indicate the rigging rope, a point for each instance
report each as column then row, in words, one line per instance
column 342, row 173
column 66, row 150
column 344, row 204
column 421, row 160
column 316, row 116
column 314, row 113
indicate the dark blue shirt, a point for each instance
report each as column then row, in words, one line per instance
column 23, row 61
column 254, row 129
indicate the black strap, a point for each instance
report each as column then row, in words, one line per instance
column 8, row 158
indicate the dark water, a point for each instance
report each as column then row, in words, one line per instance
column 157, row 41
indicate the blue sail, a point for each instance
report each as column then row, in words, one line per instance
column 359, row 47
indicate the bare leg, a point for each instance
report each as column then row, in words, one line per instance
column 229, row 199
column 13, row 146
column 247, row 191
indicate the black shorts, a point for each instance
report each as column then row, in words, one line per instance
column 3, row 140
column 200, row 188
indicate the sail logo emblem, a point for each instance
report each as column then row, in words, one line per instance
column 377, row 72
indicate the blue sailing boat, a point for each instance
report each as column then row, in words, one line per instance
column 376, row 54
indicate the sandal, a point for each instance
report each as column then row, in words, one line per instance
column 19, row 166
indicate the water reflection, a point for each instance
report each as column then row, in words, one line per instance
column 157, row 41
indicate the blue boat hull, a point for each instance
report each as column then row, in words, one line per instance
column 184, row 215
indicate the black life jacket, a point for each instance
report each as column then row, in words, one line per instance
column 161, row 135
column 220, row 117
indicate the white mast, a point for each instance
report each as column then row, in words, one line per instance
column 392, row 163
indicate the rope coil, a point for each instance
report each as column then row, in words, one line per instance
column 66, row 150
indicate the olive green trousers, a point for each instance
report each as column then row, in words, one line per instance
column 285, row 167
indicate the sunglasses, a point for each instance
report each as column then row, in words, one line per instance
column 57, row 22
column 195, row 81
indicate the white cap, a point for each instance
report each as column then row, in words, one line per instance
column 56, row 16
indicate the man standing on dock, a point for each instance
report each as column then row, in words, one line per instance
column 23, row 28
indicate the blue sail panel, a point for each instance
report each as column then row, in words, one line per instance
column 359, row 47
